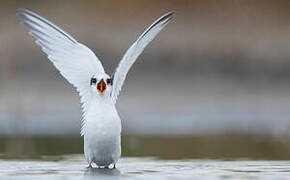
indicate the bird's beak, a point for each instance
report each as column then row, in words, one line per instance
column 101, row 86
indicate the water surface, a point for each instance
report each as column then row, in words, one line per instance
column 74, row 167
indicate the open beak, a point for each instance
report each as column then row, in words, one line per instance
column 101, row 86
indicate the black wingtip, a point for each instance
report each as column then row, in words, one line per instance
column 163, row 19
column 171, row 13
column 168, row 16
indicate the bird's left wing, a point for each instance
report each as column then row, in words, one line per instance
column 134, row 51
column 75, row 61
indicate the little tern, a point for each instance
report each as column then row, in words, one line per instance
column 101, row 124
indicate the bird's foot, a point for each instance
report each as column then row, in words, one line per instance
column 90, row 165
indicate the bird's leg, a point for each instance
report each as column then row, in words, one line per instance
column 114, row 166
column 90, row 165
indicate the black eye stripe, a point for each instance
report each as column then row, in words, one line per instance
column 93, row 81
column 109, row 81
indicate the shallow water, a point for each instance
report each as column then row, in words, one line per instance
column 74, row 167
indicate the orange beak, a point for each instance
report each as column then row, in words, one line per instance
column 101, row 86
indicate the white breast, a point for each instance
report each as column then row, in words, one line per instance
column 102, row 134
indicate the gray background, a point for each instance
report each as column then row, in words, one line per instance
column 219, row 66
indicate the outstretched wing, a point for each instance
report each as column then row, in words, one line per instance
column 75, row 61
column 134, row 51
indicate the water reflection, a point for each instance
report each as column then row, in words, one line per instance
column 94, row 173
column 216, row 146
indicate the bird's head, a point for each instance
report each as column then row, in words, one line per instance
column 101, row 84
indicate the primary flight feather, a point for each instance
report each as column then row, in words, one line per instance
column 101, row 125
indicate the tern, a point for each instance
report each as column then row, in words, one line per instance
column 101, row 124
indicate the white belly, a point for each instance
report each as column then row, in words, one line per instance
column 104, row 151
column 102, row 137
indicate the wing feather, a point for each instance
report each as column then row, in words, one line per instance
column 134, row 51
column 75, row 62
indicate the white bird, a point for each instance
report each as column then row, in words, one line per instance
column 101, row 124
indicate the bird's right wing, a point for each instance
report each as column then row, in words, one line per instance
column 134, row 51
column 75, row 61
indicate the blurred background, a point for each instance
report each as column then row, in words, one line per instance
column 213, row 84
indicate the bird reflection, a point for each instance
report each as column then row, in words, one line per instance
column 104, row 173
